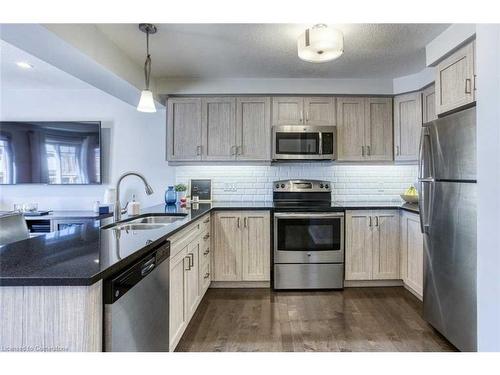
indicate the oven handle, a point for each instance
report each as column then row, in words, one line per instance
column 309, row 215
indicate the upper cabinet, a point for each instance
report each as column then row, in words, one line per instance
column 218, row 123
column 184, row 139
column 219, row 129
column 298, row 110
column 455, row 80
column 429, row 104
column 253, row 128
column 364, row 129
column 407, row 126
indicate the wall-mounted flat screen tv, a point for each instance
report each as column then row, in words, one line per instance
column 50, row 152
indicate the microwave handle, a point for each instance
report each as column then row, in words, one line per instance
column 320, row 134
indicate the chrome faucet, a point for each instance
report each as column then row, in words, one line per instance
column 118, row 208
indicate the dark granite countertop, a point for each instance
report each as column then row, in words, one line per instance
column 65, row 214
column 87, row 254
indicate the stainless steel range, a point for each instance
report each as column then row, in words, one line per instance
column 308, row 236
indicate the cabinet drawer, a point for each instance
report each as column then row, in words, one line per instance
column 205, row 255
column 180, row 239
column 205, row 277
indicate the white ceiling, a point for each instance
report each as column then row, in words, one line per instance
column 269, row 50
column 41, row 76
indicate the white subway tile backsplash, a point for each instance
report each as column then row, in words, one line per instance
column 349, row 182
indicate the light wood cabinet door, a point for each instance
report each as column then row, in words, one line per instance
column 253, row 124
column 178, row 317
column 288, row 110
column 429, row 104
column 319, row 110
column 256, row 246
column 385, row 245
column 227, row 246
column 412, row 253
column 407, row 126
column 192, row 275
column 184, row 135
column 455, row 81
column 219, row 128
column 378, row 129
column 350, row 128
column 358, row 245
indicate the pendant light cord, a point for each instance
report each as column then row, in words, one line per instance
column 147, row 64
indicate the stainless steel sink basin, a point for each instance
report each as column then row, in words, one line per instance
column 157, row 219
column 145, row 222
column 136, row 226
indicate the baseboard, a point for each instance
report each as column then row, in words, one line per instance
column 371, row 283
column 412, row 291
column 240, row 284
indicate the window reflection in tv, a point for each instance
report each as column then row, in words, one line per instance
column 50, row 152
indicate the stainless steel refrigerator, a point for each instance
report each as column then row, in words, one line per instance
column 447, row 190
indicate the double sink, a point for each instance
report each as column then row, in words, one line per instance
column 146, row 222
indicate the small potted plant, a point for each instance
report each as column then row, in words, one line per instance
column 181, row 192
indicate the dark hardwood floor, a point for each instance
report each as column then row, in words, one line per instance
column 355, row 319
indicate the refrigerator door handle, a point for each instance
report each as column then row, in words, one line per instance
column 424, row 177
column 422, row 173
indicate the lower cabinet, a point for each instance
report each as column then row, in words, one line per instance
column 412, row 253
column 189, row 275
column 372, row 245
column 242, row 246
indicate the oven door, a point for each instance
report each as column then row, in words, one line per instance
column 309, row 237
column 302, row 143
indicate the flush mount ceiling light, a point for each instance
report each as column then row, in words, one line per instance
column 320, row 43
column 147, row 103
column 24, row 65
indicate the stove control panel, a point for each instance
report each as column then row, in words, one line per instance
column 302, row 186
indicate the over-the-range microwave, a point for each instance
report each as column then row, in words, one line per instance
column 298, row 142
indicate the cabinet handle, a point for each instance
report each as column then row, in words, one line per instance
column 307, row 116
column 239, row 150
column 368, row 150
column 370, row 222
column 302, row 116
column 474, row 84
column 233, row 150
column 207, row 220
column 206, row 236
column 362, row 150
column 198, row 150
column 238, row 222
column 397, row 150
column 206, row 252
column 376, row 221
column 467, row 86
column 245, row 221
column 191, row 260
column 206, row 275
column 189, row 264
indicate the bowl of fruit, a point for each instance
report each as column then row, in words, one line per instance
column 410, row 195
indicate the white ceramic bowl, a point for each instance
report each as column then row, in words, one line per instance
column 409, row 198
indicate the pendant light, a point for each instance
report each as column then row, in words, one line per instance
column 147, row 102
column 320, row 44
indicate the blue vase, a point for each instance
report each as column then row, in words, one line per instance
column 170, row 195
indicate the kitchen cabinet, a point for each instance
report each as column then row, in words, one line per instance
column 372, row 245
column 350, row 128
column 429, row 104
column 241, row 246
column 253, row 128
column 456, row 80
column 288, row 110
column 407, row 126
column 412, row 253
column 297, row 110
column 184, row 135
column 319, row 110
column 188, row 279
column 364, row 129
column 218, row 128
column 378, row 129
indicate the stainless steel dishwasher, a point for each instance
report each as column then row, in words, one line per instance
column 136, row 310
